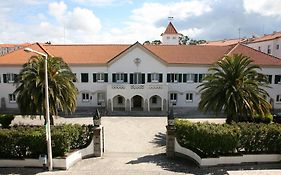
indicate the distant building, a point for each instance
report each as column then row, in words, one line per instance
column 225, row 42
column 269, row 44
column 7, row 48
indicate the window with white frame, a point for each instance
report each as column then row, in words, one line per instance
column 173, row 98
column 189, row 78
column 100, row 77
column 12, row 98
column 85, row 97
column 155, row 77
column 201, row 77
column 278, row 98
column 174, row 78
column 189, row 97
column 277, row 79
column 100, row 98
column 119, row 77
column 9, row 78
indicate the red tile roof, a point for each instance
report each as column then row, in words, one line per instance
column 170, row 29
column 267, row 37
column 225, row 42
column 171, row 54
column 14, row 45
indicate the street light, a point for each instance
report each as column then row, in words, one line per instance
column 48, row 128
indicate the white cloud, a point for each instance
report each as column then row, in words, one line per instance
column 152, row 12
column 192, row 32
column 103, row 2
column 263, row 7
column 57, row 9
column 83, row 20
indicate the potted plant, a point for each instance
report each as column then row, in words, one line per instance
column 97, row 118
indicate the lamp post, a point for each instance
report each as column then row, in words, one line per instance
column 48, row 128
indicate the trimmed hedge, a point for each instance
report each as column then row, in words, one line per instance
column 6, row 120
column 212, row 140
column 30, row 141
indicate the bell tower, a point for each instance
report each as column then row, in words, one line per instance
column 170, row 36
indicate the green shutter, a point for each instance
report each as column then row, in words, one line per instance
column 143, row 78
column 94, row 77
column 269, row 79
column 184, row 78
column 148, row 78
column 195, row 78
column 125, row 78
column 277, row 79
column 4, row 78
column 200, row 78
column 105, row 77
column 168, row 78
column 180, row 78
column 160, row 78
column 114, row 78
column 131, row 78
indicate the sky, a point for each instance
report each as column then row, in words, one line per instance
column 128, row 21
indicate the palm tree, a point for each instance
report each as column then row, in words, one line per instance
column 30, row 89
column 235, row 87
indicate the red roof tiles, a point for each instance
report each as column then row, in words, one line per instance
column 170, row 29
column 171, row 54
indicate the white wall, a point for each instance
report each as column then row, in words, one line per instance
column 264, row 46
column 170, row 39
column 8, row 88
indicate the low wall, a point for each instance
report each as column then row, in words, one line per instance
column 93, row 150
column 249, row 158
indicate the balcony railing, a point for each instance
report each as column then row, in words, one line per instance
column 137, row 86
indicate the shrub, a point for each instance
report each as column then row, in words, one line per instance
column 30, row 141
column 268, row 118
column 6, row 120
column 211, row 140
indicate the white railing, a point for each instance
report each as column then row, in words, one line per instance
column 137, row 86
column 118, row 86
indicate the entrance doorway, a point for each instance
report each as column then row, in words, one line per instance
column 137, row 102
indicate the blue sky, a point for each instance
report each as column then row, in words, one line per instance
column 128, row 21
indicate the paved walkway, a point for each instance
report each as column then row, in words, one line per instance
column 136, row 145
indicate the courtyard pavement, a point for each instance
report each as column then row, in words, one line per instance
column 136, row 145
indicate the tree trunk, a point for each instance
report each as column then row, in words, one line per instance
column 229, row 119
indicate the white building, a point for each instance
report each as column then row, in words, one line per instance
column 269, row 44
column 137, row 77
